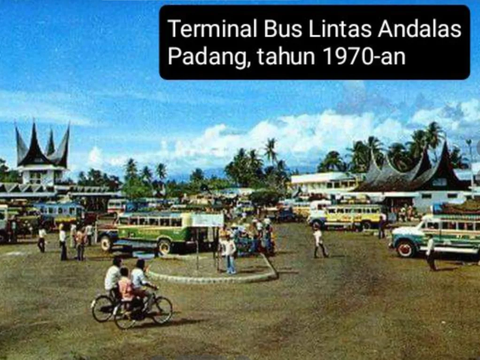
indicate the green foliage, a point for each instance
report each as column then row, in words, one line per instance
column 265, row 197
column 7, row 175
column 99, row 178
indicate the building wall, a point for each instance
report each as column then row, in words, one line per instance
column 426, row 199
column 41, row 177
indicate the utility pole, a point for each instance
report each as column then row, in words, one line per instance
column 469, row 143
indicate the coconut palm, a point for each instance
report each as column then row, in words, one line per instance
column 399, row 156
column 131, row 171
column 360, row 156
column 147, row 175
column 433, row 135
column 458, row 159
column 161, row 171
column 270, row 150
column 332, row 161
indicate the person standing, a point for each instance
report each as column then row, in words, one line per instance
column 89, row 234
column 41, row 238
column 13, row 227
column 80, row 237
column 317, row 234
column 431, row 253
column 230, row 249
column 62, row 235
column 381, row 226
column 73, row 234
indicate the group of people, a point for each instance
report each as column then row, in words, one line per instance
column 78, row 239
column 130, row 286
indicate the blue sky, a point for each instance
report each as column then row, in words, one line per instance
column 95, row 64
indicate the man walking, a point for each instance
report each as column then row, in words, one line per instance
column 431, row 253
column 381, row 226
column 41, row 238
column 63, row 243
column 317, row 234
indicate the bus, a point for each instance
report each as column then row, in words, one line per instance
column 167, row 231
column 451, row 233
column 362, row 216
column 116, row 206
column 54, row 214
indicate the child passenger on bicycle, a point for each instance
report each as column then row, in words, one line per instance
column 125, row 286
column 140, row 283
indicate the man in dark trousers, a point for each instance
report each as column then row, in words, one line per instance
column 431, row 253
column 317, row 234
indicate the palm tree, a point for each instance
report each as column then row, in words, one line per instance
column 398, row 154
column 197, row 176
column 433, row 135
column 360, row 156
column 131, row 169
column 457, row 159
column 332, row 161
column 417, row 145
column 270, row 150
column 161, row 171
column 147, row 175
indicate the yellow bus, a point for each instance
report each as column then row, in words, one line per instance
column 364, row 216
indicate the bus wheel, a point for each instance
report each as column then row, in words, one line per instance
column 106, row 243
column 406, row 249
column 366, row 225
column 164, row 247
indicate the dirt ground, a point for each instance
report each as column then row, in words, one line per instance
column 362, row 303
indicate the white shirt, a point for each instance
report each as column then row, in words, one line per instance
column 63, row 236
column 230, row 248
column 42, row 233
column 89, row 230
column 112, row 277
column 138, row 278
column 318, row 237
column 430, row 246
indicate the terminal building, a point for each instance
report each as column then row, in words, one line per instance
column 43, row 172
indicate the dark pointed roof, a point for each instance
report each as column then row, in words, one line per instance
column 21, row 147
column 50, row 149
column 34, row 155
column 60, row 156
column 422, row 177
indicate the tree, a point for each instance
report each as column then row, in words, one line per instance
column 7, row 175
column 360, row 157
column 270, row 150
column 399, row 156
column 135, row 186
column 147, row 175
column 433, row 135
column 161, row 171
column 417, row 145
column 197, row 176
column 457, row 159
column 245, row 169
column 332, row 161
column 131, row 169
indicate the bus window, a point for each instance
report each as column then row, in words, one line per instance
column 164, row 222
column 177, row 222
column 433, row 225
column 50, row 210
column 153, row 222
column 340, row 211
column 142, row 221
column 462, row 226
column 72, row 211
column 331, row 211
column 60, row 210
column 123, row 221
column 469, row 226
column 375, row 211
column 134, row 221
column 450, row 225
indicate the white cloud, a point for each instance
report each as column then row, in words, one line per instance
column 51, row 108
column 95, row 158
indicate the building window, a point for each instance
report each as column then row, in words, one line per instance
column 426, row 196
column 452, row 196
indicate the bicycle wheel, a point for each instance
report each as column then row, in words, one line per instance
column 102, row 308
column 123, row 317
column 162, row 310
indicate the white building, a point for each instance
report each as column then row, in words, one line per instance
column 329, row 183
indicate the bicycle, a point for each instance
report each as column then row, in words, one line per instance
column 102, row 306
column 126, row 314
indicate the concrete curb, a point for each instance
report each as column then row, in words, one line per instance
column 271, row 275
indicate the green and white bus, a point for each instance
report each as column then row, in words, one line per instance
column 451, row 233
column 167, row 231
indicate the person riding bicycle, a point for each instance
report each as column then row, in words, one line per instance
column 140, row 283
column 127, row 292
column 113, row 276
